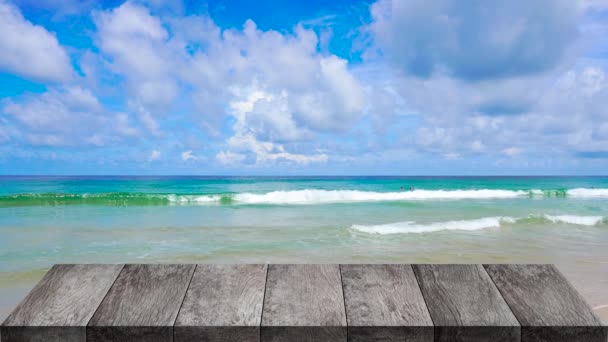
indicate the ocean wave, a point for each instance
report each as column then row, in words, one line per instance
column 574, row 219
column 337, row 196
column 289, row 197
column 412, row 227
column 408, row 227
column 585, row 192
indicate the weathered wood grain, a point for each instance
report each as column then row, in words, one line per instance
column 546, row 305
column 223, row 303
column 384, row 303
column 59, row 307
column 303, row 303
column 465, row 305
column 142, row 305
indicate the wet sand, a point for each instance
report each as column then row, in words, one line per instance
column 602, row 312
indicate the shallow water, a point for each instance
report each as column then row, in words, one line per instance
column 303, row 220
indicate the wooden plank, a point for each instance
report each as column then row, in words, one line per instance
column 303, row 303
column 142, row 305
column 223, row 303
column 59, row 307
column 465, row 305
column 546, row 305
column 384, row 303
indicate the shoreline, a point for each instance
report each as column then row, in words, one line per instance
column 602, row 312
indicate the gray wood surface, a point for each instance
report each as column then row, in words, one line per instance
column 546, row 305
column 465, row 305
column 303, row 303
column 142, row 305
column 223, row 303
column 59, row 307
column 384, row 303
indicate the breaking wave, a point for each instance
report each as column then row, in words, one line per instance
column 476, row 224
column 574, row 219
column 307, row 196
column 584, row 192
column 335, row 196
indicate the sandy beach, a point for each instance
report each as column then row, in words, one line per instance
column 602, row 313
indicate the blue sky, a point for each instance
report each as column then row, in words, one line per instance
column 307, row 87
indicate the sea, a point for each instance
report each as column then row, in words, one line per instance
column 184, row 219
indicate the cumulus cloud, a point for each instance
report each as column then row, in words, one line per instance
column 304, row 91
column 562, row 114
column 188, row 155
column 279, row 87
column 246, row 140
column 490, row 82
column 134, row 44
column 474, row 40
column 154, row 155
column 228, row 158
column 72, row 116
column 30, row 50
column 447, row 80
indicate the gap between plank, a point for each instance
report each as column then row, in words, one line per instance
column 521, row 329
column 423, row 298
column 183, row 299
column 122, row 268
column 343, row 299
column 264, row 300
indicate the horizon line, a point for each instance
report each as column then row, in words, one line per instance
column 299, row 175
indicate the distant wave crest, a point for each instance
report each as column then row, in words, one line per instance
column 334, row 196
column 584, row 192
column 290, row 197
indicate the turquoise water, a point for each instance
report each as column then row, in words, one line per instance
column 47, row 220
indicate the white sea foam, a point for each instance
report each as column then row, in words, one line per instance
column 574, row 219
column 412, row 227
column 585, row 192
column 316, row 196
column 336, row 196
column 188, row 199
column 537, row 192
column 470, row 225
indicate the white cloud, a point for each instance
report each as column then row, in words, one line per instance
column 146, row 118
column 594, row 4
column 134, row 42
column 270, row 97
column 154, row 155
column 245, row 138
column 279, row 88
column 72, row 116
column 188, row 155
column 485, row 40
column 228, row 158
column 512, row 151
column 452, row 156
column 558, row 114
column 265, row 151
column 30, row 50
column 304, row 91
